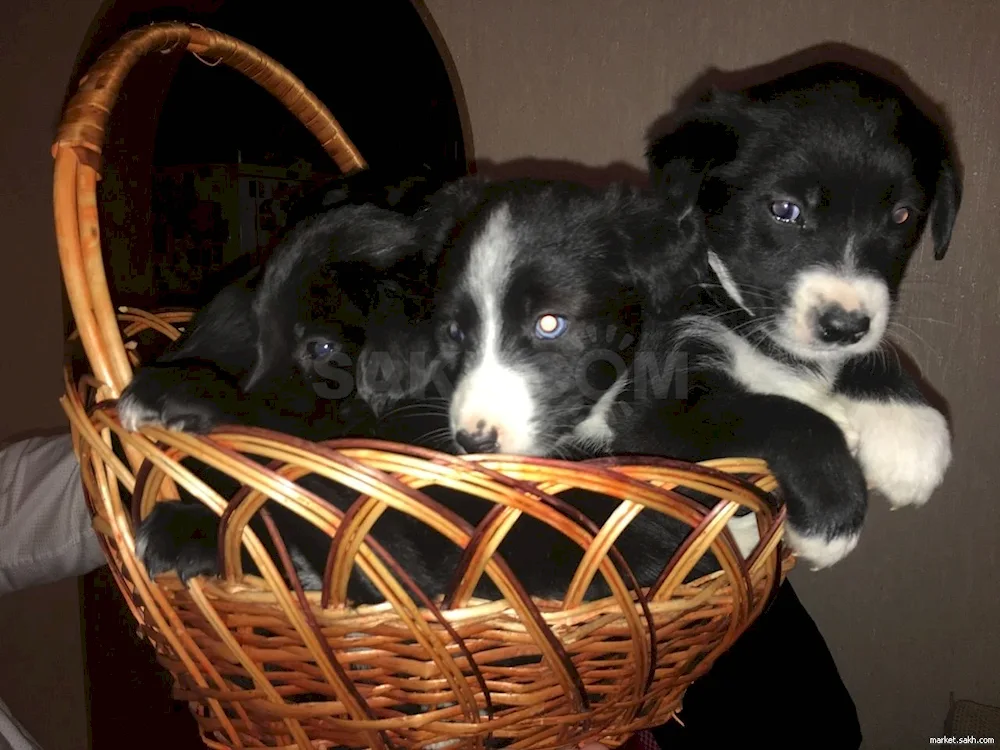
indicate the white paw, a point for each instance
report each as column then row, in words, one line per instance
column 745, row 533
column 905, row 449
column 817, row 551
column 133, row 414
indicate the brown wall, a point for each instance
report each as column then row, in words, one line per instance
column 914, row 613
column 41, row 667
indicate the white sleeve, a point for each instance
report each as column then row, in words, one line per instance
column 45, row 531
column 13, row 736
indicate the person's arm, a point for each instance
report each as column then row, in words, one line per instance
column 45, row 530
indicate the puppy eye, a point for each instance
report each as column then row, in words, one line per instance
column 900, row 215
column 320, row 348
column 550, row 326
column 785, row 211
column 456, row 333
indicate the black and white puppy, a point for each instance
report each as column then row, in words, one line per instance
column 543, row 291
column 815, row 189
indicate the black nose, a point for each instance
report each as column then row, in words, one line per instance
column 838, row 326
column 480, row 441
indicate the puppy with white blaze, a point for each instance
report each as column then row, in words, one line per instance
column 815, row 189
column 543, row 292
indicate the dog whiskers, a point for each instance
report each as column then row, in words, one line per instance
column 896, row 327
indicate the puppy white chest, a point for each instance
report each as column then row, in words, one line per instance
column 761, row 374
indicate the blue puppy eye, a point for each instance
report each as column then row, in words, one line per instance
column 785, row 211
column 320, row 348
column 456, row 333
column 550, row 326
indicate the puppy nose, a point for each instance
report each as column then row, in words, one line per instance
column 483, row 440
column 838, row 326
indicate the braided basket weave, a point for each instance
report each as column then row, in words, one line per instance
column 242, row 648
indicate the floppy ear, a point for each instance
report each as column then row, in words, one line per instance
column 446, row 212
column 273, row 353
column 947, row 199
column 707, row 136
column 654, row 254
column 340, row 243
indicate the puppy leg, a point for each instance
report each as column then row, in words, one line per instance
column 191, row 397
column 904, row 442
column 836, row 410
column 179, row 536
column 822, row 484
column 192, row 387
column 184, row 537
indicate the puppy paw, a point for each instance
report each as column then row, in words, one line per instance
column 824, row 525
column 905, row 449
column 820, row 550
column 826, row 497
column 180, row 537
column 179, row 398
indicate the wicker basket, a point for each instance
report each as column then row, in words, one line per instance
column 241, row 648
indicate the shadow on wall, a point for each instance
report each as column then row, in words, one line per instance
column 555, row 169
column 726, row 80
column 731, row 80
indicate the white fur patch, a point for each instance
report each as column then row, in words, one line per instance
column 817, row 287
column 310, row 578
column 850, row 261
column 819, row 552
column 594, row 430
column 726, row 279
column 496, row 396
column 905, row 448
column 491, row 392
column 133, row 414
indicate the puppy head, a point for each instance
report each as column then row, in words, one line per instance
column 538, row 311
column 317, row 300
column 815, row 190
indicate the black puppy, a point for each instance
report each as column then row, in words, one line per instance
column 814, row 190
column 284, row 347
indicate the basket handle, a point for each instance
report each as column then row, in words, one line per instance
column 77, row 151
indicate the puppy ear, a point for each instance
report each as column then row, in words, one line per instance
column 708, row 136
column 446, row 212
column 655, row 254
column 273, row 354
column 342, row 245
column 947, row 199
